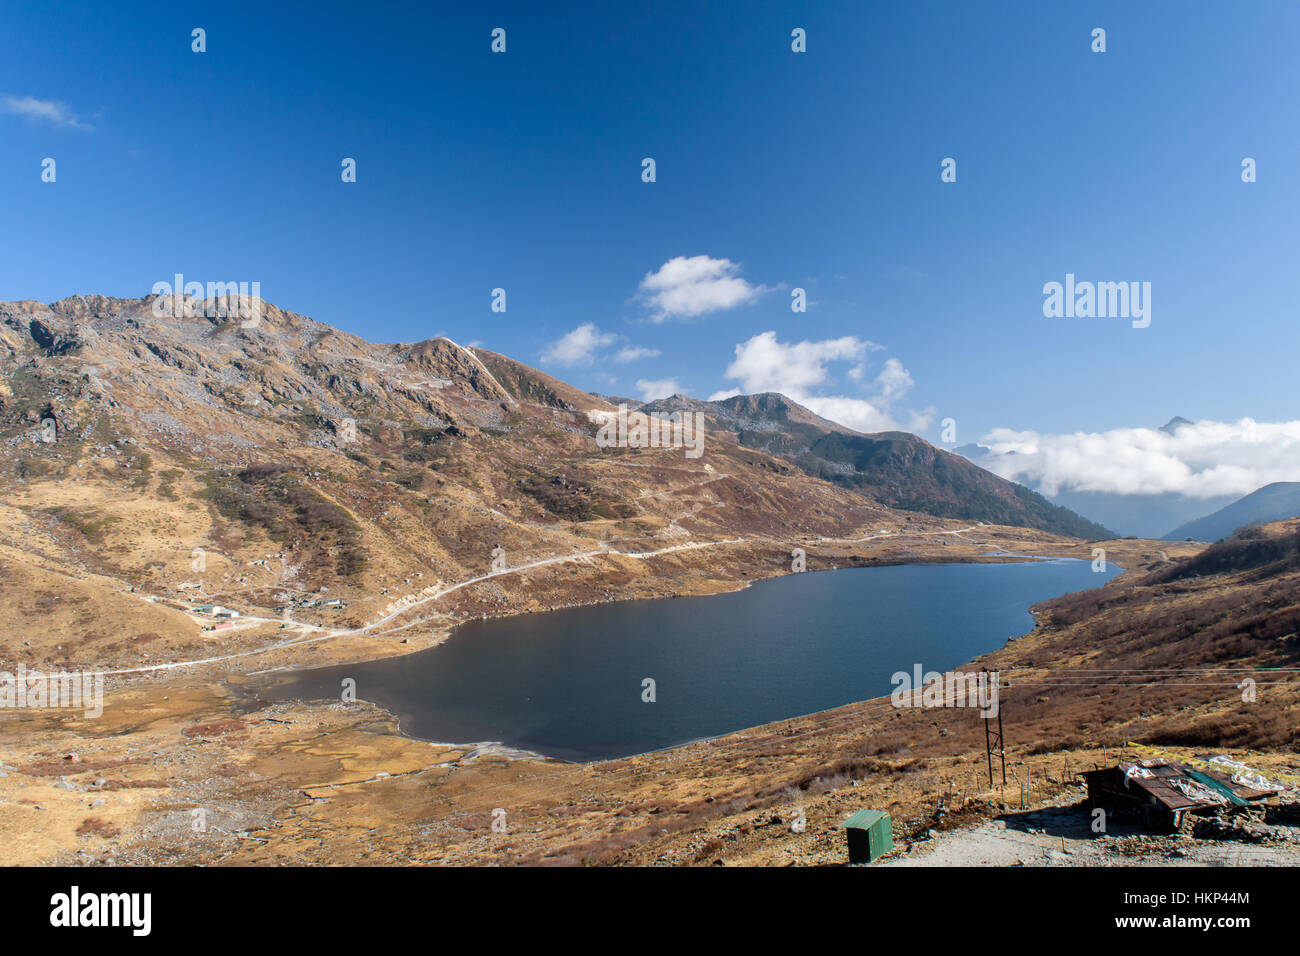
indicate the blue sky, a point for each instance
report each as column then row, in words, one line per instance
column 818, row 170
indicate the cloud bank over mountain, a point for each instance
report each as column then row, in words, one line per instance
column 1202, row 459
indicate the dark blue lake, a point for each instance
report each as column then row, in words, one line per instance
column 568, row 683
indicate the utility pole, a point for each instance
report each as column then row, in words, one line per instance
column 992, row 737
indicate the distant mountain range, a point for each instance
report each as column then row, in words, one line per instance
column 1147, row 516
column 897, row 469
column 1273, row 502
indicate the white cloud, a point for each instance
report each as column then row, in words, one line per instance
column 1199, row 460
column 687, row 287
column 651, row 389
column 577, row 347
column 894, row 381
column 764, row 364
column 580, row 347
column 860, row 414
column 49, row 111
column 630, row 353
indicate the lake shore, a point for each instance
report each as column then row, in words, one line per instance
column 578, row 684
column 278, row 779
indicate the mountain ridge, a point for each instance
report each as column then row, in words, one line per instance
column 896, row 468
column 1275, row 501
column 289, row 366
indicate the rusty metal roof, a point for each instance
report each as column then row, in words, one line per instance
column 1179, row 786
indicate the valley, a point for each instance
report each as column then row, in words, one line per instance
column 353, row 502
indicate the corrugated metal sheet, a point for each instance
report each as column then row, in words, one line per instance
column 1169, row 786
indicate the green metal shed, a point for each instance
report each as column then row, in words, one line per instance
column 870, row 834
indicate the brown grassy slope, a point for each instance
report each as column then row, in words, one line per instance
column 1094, row 676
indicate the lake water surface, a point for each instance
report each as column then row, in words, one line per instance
column 568, row 683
